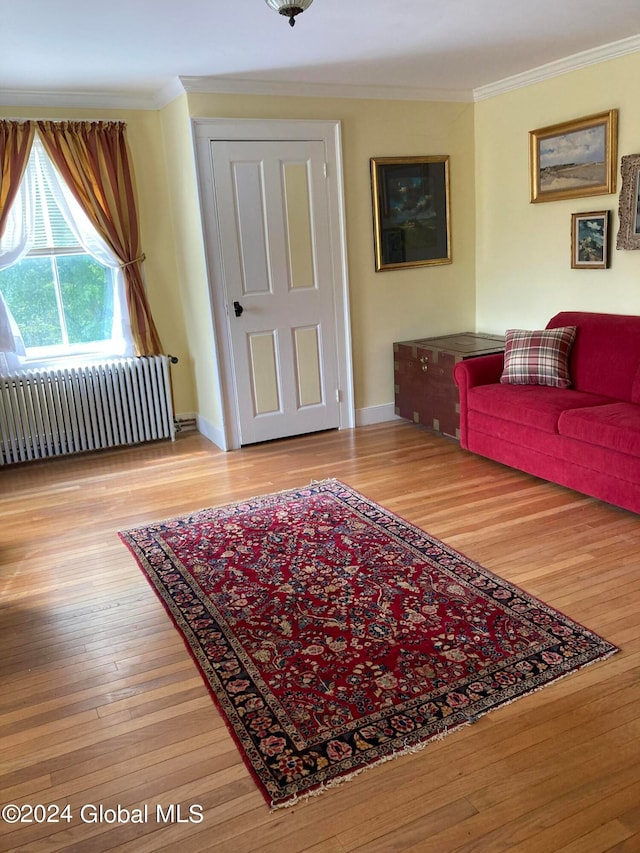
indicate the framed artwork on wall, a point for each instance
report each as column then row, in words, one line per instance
column 629, row 204
column 574, row 159
column 411, row 215
column 590, row 240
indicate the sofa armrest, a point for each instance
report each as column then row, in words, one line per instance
column 483, row 370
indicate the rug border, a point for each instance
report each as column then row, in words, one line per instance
column 178, row 628
column 340, row 778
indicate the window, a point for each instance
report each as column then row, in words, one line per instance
column 62, row 298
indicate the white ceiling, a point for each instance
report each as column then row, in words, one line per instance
column 138, row 50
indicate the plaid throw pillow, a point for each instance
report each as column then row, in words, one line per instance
column 538, row 358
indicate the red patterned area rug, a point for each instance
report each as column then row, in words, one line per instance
column 334, row 635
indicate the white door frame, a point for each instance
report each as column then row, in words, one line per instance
column 206, row 130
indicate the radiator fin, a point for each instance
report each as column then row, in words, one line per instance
column 55, row 412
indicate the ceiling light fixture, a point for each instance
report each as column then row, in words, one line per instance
column 288, row 8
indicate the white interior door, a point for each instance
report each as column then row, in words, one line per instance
column 273, row 221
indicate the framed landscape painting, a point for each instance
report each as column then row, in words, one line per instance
column 590, row 240
column 574, row 159
column 410, row 211
column 629, row 207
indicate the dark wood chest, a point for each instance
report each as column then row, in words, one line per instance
column 425, row 391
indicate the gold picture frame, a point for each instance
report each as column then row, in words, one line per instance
column 590, row 240
column 629, row 204
column 411, row 212
column 574, row 159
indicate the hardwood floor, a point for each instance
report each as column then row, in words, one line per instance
column 100, row 703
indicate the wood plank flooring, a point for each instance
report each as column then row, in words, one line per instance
column 101, row 704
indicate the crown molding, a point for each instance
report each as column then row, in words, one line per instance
column 79, row 100
column 240, row 86
column 561, row 66
column 169, row 92
column 119, row 100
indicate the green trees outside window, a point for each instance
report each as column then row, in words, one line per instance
column 59, row 299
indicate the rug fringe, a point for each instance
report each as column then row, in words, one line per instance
column 412, row 749
column 340, row 780
column 186, row 515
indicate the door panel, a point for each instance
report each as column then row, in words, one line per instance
column 298, row 224
column 276, row 256
column 308, row 365
column 264, row 374
column 250, row 209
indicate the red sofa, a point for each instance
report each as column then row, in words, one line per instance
column 587, row 436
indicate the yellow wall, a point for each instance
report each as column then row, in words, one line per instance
column 523, row 250
column 391, row 305
column 191, row 284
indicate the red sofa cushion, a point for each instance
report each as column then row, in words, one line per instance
column 532, row 405
column 616, row 426
column 513, row 443
column 601, row 473
column 605, row 357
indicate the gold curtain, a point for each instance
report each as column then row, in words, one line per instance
column 93, row 159
column 16, row 138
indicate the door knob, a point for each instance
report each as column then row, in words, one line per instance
column 238, row 309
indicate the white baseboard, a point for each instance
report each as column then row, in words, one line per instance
column 193, row 421
column 364, row 417
column 213, row 433
column 376, row 414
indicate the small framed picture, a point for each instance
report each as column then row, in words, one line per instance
column 590, row 240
